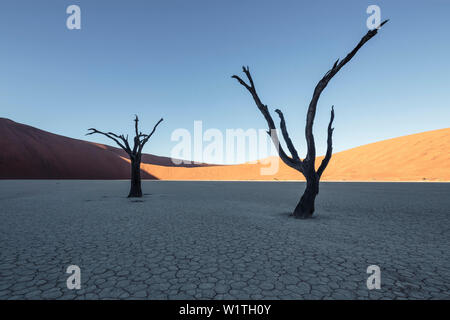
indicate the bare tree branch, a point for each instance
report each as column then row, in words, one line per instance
column 327, row 157
column 111, row 136
column 136, row 120
column 138, row 143
column 286, row 137
column 126, row 142
column 242, row 82
column 122, row 137
column 311, row 154
column 144, row 141
column 293, row 163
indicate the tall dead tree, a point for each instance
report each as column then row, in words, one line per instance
column 305, row 207
column 135, row 154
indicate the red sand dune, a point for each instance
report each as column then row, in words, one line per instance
column 30, row 153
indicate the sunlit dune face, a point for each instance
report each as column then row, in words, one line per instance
column 30, row 153
column 101, row 146
column 418, row 157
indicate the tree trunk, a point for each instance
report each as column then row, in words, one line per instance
column 305, row 208
column 135, row 189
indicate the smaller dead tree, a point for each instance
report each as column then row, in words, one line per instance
column 307, row 166
column 134, row 153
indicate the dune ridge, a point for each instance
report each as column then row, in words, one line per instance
column 31, row 153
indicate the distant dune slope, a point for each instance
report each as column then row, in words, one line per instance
column 417, row 157
column 30, row 153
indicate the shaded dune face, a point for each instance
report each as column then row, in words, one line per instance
column 35, row 154
column 30, row 153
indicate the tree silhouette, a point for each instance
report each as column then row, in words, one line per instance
column 135, row 154
column 305, row 207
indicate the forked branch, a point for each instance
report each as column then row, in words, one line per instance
column 294, row 162
column 307, row 166
column 122, row 141
column 286, row 137
column 113, row 137
column 148, row 136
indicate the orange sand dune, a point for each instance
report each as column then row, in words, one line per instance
column 30, row 153
column 417, row 157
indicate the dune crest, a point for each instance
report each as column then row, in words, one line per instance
column 30, row 153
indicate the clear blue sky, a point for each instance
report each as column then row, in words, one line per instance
column 174, row 59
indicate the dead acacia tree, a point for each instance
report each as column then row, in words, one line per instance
column 305, row 207
column 135, row 154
